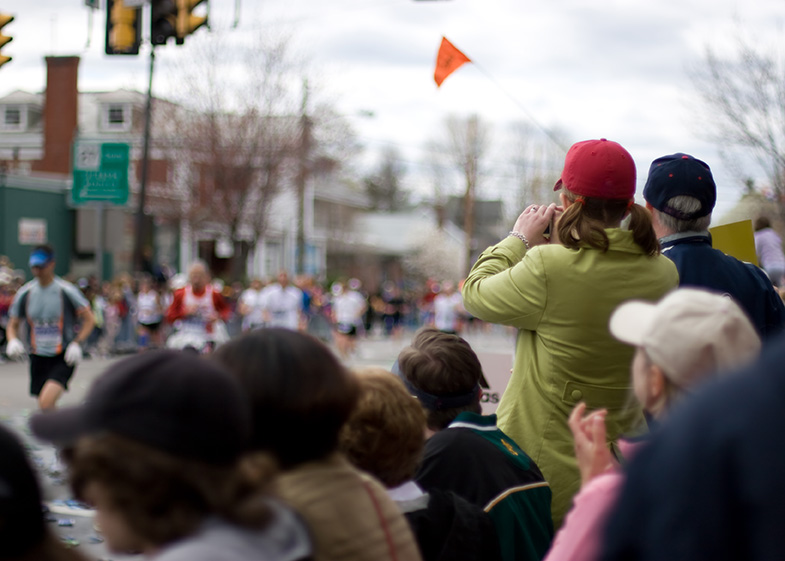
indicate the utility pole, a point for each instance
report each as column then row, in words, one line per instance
column 468, row 221
column 304, row 152
column 471, row 172
column 140, row 222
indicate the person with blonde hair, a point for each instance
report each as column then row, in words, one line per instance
column 559, row 292
column 385, row 436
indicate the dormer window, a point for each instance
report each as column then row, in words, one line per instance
column 117, row 117
column 14, row 118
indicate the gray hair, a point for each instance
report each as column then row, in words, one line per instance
column 686, row 204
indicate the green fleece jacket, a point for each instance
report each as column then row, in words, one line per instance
column 561, row 300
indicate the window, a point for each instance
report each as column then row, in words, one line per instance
column 117, row 117
column 14, row 118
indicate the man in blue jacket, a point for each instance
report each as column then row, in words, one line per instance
column 680, row 193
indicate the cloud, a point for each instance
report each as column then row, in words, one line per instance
column 615, row 68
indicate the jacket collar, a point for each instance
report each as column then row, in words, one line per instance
column 620, row 240
column 685, row 237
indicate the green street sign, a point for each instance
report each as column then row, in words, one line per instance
column 100, row 172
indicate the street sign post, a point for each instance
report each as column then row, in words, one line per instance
column 100, row 172
column 100, row 177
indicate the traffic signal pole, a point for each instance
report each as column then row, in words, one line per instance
column 5, row 19
column 140, row 229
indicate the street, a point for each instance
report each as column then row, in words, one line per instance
column 493, row 347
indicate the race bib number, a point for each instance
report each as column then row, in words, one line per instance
column 47, row 336
column 194, row 324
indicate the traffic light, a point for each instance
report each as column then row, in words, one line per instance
column 123, row 28
column 5, row 19
column 163, row 21
column 187, row 22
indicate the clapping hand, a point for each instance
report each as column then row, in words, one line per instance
column 591, row 449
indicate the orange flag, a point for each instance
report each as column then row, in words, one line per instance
column 448, row 61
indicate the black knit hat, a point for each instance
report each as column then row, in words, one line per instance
column 21, row 518
column 175, row 401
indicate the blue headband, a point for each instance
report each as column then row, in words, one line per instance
column 438, row 402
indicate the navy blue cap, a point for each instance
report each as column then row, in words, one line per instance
column 676, row 175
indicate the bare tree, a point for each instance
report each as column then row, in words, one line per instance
column 744, row 99
column 238, row 135
column 437, row 169
column 326, row 143
column 384, row 186
column 468, row 140
column 536, row 163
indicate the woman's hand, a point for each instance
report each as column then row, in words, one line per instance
column 533, row 222
column 591, row 450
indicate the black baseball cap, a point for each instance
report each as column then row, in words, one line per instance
column 172, row 400
column 676, row 175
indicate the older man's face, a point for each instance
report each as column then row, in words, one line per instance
column 198, row 277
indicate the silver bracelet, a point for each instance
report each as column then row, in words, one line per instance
column 520, row 237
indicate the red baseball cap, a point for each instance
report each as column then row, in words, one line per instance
column 602, row 169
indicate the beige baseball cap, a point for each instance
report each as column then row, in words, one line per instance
column 690, row 333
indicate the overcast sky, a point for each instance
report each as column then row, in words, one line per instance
column 616, row 69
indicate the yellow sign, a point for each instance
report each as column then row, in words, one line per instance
column 736, row 239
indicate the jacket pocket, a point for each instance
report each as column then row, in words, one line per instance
column 613, row 399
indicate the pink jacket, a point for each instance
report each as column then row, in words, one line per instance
column 581, row 534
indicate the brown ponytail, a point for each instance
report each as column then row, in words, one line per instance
column 642, row 231
column 585, row 221
column 575, row 227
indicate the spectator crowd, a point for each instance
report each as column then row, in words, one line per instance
column 642, row 419
column 133, row 312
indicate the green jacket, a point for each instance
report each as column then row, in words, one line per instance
column 561, row 300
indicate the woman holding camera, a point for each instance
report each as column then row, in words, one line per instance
column 560, row 292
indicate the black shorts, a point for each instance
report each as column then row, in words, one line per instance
column 151, row 327
column 43, row 368
column 346, row 329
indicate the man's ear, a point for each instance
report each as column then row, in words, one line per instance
column 656, row 381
